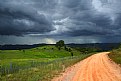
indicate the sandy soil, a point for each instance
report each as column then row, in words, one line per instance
column 97, row 67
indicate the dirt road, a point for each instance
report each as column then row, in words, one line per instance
column 97, row 67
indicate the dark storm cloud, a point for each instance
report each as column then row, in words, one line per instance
column 64, row 18
column 90, row 18
column 19, row 19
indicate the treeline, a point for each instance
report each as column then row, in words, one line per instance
column 19, row 47
column 98, row 46
column 87, row 50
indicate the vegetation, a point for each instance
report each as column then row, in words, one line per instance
column 87, row 50
column 116, row 55
column 37, row 64
column 44, row 71
column 60, row 44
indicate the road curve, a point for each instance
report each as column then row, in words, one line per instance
column 97, row 67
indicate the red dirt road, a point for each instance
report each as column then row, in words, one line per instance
column 97, row 67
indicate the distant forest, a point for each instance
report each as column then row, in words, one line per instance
column 101, row 46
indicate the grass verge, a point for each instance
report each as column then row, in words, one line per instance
column 116, row 55
column 44, row 71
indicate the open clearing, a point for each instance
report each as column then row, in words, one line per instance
column 97, row 67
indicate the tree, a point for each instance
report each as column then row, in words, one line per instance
column 69, row 49
column 60, row 44
column 65, row 48
column 72, row 54
column 52, row 48
column 24, row 51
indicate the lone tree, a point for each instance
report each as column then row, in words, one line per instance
column 60, row 44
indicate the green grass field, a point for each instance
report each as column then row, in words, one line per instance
column 116, row 55
column 41, row 63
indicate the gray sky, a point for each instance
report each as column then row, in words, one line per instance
column 47, row 21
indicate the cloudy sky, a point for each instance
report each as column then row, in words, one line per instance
column 47, row 21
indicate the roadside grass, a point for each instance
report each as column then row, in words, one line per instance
column 37, row 64
column 116, row 55
column 45, row 71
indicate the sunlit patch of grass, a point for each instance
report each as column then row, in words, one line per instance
column 37, row 64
